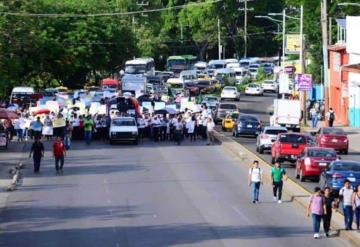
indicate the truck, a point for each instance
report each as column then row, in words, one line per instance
column 287, row 113
column 133, row 83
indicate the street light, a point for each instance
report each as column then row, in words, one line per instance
column 349, row 4
column 287, row 16
column 277, row 22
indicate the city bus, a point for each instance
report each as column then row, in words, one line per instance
column 140, row 66
column 177, row 64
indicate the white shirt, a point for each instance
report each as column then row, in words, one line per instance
column 256, row 174
column 190, row 126
column 347, row 195
column 210, row 126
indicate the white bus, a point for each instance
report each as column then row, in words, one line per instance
column 140, row 66
column 21, row 95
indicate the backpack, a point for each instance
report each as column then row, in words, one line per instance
column 332, row 116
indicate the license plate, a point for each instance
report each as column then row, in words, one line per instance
column 351, row 179
column 249, row 126
column 334, row 140
column 322, row 164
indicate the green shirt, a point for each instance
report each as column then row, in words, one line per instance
column 277, row 174
column 88, row 124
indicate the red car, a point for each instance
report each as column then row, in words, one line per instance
column 289, row 146
column 334, row 138
column 313, row 161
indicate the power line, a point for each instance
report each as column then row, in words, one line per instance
column 47, row 15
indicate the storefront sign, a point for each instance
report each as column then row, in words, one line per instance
column 292, row 44
column 304, row 82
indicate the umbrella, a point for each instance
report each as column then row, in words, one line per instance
column 166, row 110
column 42, row 111
column 6, row 114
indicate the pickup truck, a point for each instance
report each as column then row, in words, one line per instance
column 289, row 146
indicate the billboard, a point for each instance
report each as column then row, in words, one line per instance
column 292, row 44
column 304, row 82
column 352, row 34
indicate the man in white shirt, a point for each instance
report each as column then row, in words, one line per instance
column 210, row 125
column 255, row 179
column 346, row 193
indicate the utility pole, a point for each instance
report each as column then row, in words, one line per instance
column 181, row 33
column 324, row 33
column 302, row 62
column 245, row 28
column 219, row 39
column 283, row 44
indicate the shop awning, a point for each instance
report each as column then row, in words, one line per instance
column 354, row 68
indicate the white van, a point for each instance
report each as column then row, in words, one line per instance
column 21, row 95
column 214, row 65
column 220, row 74
column 188, row 76
column 240, row 74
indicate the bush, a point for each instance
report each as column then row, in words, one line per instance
column 261, row 75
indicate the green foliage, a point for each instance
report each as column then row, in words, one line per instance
column 261, row 75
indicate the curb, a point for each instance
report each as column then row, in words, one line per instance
column 297, row 192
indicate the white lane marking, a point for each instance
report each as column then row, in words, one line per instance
column 241, row 214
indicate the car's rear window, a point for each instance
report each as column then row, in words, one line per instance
column 229, row 89
column 228, row 106
column 249, row 118
column 123, row 122
column 333, row 131
column 274, row 131
column 292, row 138
column 321, row 153
column 348, row 166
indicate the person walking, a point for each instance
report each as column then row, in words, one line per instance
column 317, row 209
column 59, row 153
column 255, row 179
column 346, row 195
column 210, row 126
column 37, row 152
column 330, row 204
column 190, row 126
column 356, row 206
column 47, row 130
column 36, row 127
column 178, row 134
column 278, row 174
column 88, row 127
column 68, row 134
column 331, row 117
column 314, row 117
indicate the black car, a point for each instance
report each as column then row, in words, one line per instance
column 247, row 124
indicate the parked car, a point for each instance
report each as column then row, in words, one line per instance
column 335, row 175
column 270, row 86
column 254, row 89
column 229, row 121
column 267, row 136
column 247, row 124
column 229, row 92
column 210, row 101
column 335, row 138
column 313, row 161
column 222, row 110
column 288, row 147
column 123, row 129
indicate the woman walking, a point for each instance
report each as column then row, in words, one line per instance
column 37, row 152
column 356, row 206
column 317, row 208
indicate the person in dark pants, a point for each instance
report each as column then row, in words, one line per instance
column 330, row 203
column 37, row 151
column 331, row 117
column 59, row 153
column 277, row 175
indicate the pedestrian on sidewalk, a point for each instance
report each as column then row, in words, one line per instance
column 37, row 152
column 68, row 134
column 278, row 174
column 331, row 117
column 59, row 153
column 255, row 179
column 88, row 127
column 317, row 208
column 330, row 204
column 210, row 126
column 314, row 117
column 356, row 206
column 346, row 195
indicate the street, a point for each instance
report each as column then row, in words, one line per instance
column 149, row 195
column 261, row 106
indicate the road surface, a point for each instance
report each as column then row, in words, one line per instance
column 149, row 195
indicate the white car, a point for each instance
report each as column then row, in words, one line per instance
column 270, row 86
column 229, row 92
column 254, row 89
column 253, row 70
column 123, row 129
column 267, row 137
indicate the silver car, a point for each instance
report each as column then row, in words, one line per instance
column 267, row 137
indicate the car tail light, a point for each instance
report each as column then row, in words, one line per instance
column 307, row 161
column 346, row 140
column 337, row 176
column 323, row 139
column 264, row 136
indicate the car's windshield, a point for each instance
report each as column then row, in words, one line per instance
column 333, row 131
column 253, row 69
column 176, row 62
column 253, row 86
column 204, row 83
column 229, row 89
column 322, row 153
column 228, row 106
column 176, row 85
column 274, row 131
column 135, row 69
column 292, row 138
column 123, row 122
column 347, row 166
column 210, row 99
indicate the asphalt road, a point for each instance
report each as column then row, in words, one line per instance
column 149, row 195
column 262, row 106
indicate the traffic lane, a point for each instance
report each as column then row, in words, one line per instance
column 149, row 195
